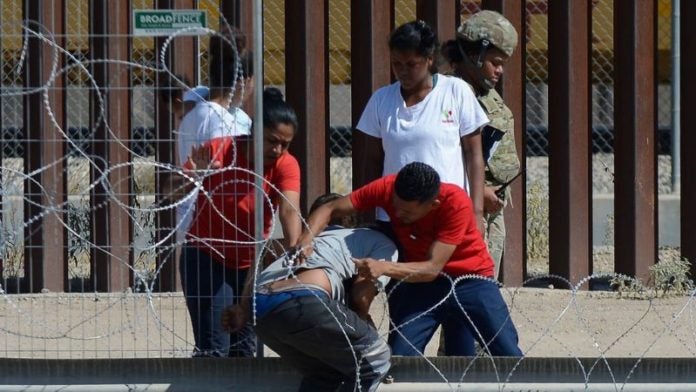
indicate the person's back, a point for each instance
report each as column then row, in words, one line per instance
column 300, row 312
column 435, row 224
column 334, row 251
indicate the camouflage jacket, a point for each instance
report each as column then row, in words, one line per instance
column 502, row 164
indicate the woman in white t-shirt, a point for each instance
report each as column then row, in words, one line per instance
column 424, row 116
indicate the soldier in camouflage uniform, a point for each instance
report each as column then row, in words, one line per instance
column 478, row 55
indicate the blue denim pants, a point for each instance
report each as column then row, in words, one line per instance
column 209, row 288
column 473, row 310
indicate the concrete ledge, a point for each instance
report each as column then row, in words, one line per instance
column 272, row 374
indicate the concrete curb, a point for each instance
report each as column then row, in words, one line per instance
column 410, row 374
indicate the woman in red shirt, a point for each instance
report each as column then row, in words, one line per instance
column 219, row 248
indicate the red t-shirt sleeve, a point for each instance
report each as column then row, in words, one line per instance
column 373, row 194
column 456, row 215
column 287, row 175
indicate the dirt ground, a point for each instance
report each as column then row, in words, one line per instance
column 550, row 322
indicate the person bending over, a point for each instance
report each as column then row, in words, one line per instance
column 301, row 313
column 447, row 274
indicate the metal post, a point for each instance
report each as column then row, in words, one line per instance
column 676, row 98
column 258, row 136
column 570, row 117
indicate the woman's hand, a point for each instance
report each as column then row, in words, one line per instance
column 200, row 159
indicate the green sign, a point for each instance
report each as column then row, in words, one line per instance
column 168, row 22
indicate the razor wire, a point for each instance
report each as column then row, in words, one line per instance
column 133, row 323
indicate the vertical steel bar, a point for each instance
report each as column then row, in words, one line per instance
column 45, row 263
column 688, row 140
column 676, row 93
column 440, row 15
column 111, row 224
column 3, row 208
column 570, row 220
column 258, row 136
column 307, row 86
column 512, row 89
column 180, row 62
column 635, row 119
column 239, row 13
column 371, row 21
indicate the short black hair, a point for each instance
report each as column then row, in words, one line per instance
column 417, row 182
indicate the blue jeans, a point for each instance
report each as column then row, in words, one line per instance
column 474, row 310
column 209, row 288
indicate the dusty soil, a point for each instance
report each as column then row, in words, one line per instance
column 550, row 322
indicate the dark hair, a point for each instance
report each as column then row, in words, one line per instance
column 169, row 87
column 223, row 61
column 417, row 182
column 346, row 221
column 276, row 110
column 323, row 199
column 417, row 36
column 247, row 61
column 452, row 54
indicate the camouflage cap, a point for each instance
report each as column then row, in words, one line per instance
column 492, row 26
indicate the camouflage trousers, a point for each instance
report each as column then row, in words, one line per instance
column 495, row 237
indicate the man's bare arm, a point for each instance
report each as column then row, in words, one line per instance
column 415, row 271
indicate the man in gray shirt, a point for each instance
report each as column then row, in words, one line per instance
column 301, row 313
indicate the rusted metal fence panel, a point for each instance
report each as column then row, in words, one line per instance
column 45, row 263
column 111, row 107
column 169, row 113
column 570, row 224
column 441, row 15
column 371, row 23
column 635, row 129
column 306, row 28
column 512, row 88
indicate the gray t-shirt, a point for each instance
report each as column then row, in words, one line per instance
column 334, row 250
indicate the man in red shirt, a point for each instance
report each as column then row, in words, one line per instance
column 447, row 276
